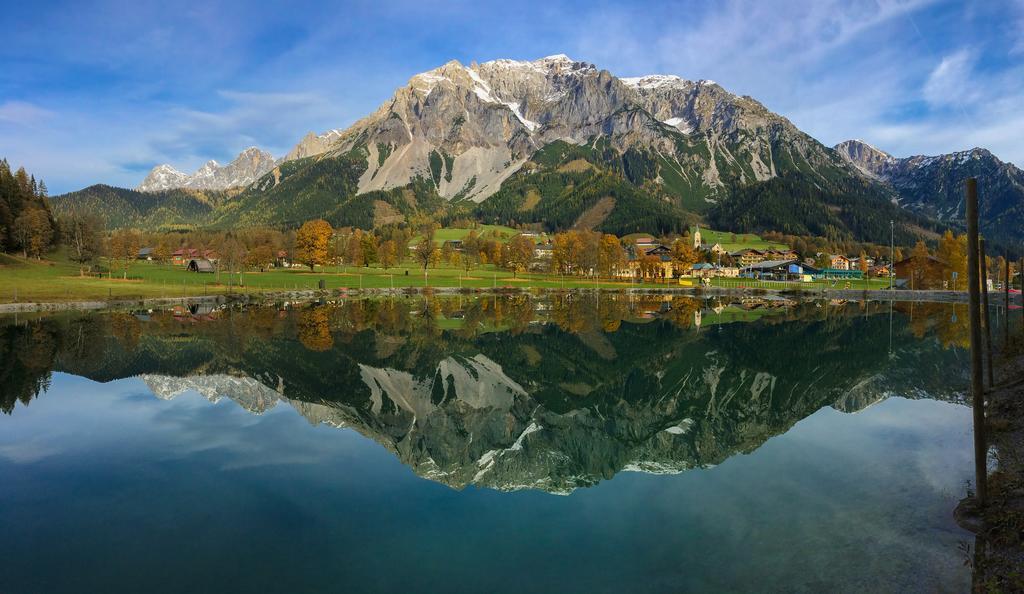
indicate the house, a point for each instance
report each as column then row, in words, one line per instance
column 706, row 270
column 200, row 265
column 281, row 260
column 182, row 256
column 786, row 254
column 664, row 268
column 453, row 244
column 702, row 270
column 145, row 253
column 839, row 262
column 880, row 271
column 717, row 249
column 543, row 251
column 747, row 257
column 855, row 262
column 922, row 272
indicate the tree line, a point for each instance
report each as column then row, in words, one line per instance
column 26, row 223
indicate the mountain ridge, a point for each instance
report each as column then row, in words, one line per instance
column 561, row 143
column 933, row 185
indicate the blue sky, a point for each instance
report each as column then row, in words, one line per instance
column 102, row 91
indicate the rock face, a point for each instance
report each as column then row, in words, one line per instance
column 246, row 168
column 468, row 128
column 934, row 186
column 312, row 144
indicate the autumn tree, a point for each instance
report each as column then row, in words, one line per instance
column 82, row 233
column 354, row 249
column 312, row 243
column 388, row 254
column 610, row 255
column 953, row 252
column 425, row 248
column 260, row 257
column 124, row 248
column 683, row 255
column 919, row 268
column 519, row 254
column 368, row 243
column 33, row 231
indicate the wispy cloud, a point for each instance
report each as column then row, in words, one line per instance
column 271, row 120
column 23, row 113
column 948, row 84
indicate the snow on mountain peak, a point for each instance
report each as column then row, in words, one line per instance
column 653, row 81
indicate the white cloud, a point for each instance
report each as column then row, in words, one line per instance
column 22, row 113
column 949, row 83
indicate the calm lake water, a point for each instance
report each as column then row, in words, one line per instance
column 497, row 444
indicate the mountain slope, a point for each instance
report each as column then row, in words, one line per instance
column 934, row 186
column 121, row 207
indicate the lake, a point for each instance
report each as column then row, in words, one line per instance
column 518, row 443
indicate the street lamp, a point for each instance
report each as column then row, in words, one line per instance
column 892, row 251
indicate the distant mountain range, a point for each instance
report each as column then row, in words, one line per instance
column 934, row 186
column 562, row 143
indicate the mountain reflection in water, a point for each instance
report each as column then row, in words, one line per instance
column 517, row 391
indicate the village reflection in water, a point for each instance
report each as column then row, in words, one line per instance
column 518, row 391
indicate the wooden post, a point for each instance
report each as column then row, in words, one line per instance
column 974, row 312
column 986, row 320
column 1006, row 299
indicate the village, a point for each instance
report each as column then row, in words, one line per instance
column 687, row 261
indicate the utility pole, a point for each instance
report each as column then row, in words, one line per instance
column 1006, row 299
column 974, row 310
column 986, row 320
column 892, row 251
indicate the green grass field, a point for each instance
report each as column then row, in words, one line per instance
column 451, row 233
column 57, row 279
column 736, row 241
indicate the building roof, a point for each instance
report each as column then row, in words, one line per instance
column 932, row 258
column 201, row 265
column 703, row 266
column 770, row 264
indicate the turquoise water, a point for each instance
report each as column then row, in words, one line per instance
column 510, row 445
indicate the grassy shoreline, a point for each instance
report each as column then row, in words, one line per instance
column 58, row 281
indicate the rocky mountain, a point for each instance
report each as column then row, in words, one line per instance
column 468, row 128
column 562, row 143
column 247, row 167
column 934, row 186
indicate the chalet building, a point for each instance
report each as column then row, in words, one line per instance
column 922, row 272
column 839, row 262
column 182, row 256
column 748, row 256
column 706, row 270
column 145, row 253
column 717, row 249
column 634, row 254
